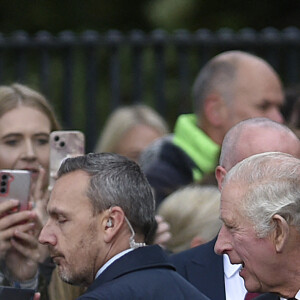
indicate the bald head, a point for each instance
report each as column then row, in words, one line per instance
column 236, row 86
column 255, row 136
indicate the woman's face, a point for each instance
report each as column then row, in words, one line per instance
column 135, row 140
column 24, row 141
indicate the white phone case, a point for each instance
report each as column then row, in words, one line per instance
column 63, row 144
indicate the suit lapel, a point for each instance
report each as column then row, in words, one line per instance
column 208, row 275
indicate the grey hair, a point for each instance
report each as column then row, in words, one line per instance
column 117, row 181
column 229, row 155
column 271, row 182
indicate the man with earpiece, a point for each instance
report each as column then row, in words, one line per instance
column 101, row 219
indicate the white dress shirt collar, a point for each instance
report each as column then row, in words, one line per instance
column 109, row 262
column 234, row 283
column 230, row 269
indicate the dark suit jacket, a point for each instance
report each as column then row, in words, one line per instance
column 268, row 296
column 202, row 268
column 144, row 273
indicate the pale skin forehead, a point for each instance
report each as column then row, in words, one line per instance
column 25, row 119
column 231, row 199
column 256, row 75
column 253, row 70
column 254, row 140
column 256, row 91
column 255, row 80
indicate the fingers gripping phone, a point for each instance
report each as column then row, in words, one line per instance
column 15, row 184
column 63, row 144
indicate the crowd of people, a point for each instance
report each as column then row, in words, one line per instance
column 209, row 211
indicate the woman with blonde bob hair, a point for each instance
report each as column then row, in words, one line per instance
column 130, row 129
column 26, row 120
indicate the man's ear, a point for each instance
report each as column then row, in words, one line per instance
column 220, row 175
column 112, row 223
column 215, row 109
column 281, row 233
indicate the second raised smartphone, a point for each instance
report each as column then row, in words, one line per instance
column 64, row 144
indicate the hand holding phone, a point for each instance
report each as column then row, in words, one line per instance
column 63, row 144
column 15, row 184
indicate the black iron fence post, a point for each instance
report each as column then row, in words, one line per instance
column 160, row 40
column 67, row 39
column 137, row 41
column 114, row 39
column 91, row 39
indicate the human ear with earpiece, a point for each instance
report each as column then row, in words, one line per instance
column 133, row 244
column 109, row 223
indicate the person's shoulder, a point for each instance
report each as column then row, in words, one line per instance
column 102, row 291
column 169, row 170
column 135, row 285
column 197, row 252
column 185, row 255
column 171, row 165
column 182, row 287
column 151, row 154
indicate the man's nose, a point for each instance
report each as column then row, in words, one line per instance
column 46, row 237
column 223, row 243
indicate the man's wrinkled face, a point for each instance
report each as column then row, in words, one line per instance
column 72, row 231
column 238, row 239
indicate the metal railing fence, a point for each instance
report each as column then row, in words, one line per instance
column 87, row 75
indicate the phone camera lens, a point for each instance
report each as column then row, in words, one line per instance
column 62, row 144
column 3, row 190
column 3, row 183
column 56, row 138
column 4, row 177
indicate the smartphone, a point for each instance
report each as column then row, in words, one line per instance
column 15, row 184
column 63, row 144
column 10, row 293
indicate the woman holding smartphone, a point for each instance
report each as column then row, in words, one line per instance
column 26, row 120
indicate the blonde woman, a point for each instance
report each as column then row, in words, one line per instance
column 130, row 129
column 193, row 215
column 26, row 120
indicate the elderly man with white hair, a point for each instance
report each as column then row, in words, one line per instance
column 260, row 210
